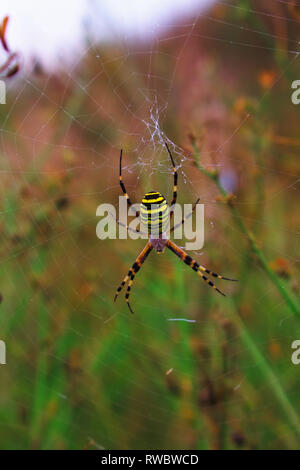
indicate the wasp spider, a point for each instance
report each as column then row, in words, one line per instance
column 154, row 212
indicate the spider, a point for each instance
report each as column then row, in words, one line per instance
column 154, row 215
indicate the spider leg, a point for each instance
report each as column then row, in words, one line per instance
column 185, row 218
column 211, row 273
column 129, row 203
column 175, row 180
column 132, row 272
column 192, row 263
column 202, row 268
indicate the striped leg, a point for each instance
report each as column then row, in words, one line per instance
column 211, row 273
column 175, row 180
column 193, row 264
column 126, row 226
column 122, row 284
column 132, row 272
column 129, row 289
column 129, row 203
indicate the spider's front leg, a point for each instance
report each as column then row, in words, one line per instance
column 132, row 272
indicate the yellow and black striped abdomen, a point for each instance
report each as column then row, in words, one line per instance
column 154, row 213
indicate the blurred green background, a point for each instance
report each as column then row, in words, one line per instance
column 82, row 372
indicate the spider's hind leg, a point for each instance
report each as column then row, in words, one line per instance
column 211, row 273
column 128, row 291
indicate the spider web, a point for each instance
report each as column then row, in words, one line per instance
column 80, row 371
